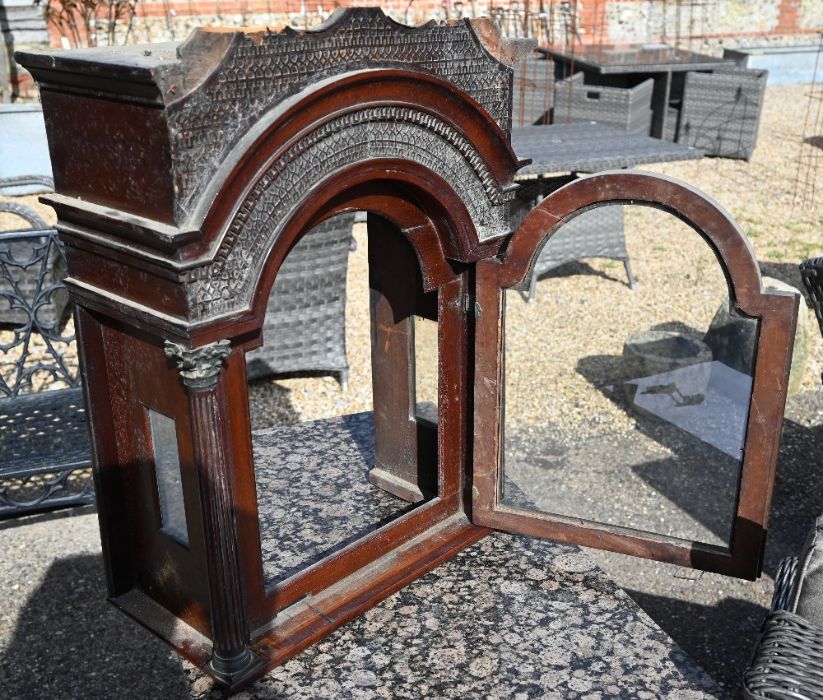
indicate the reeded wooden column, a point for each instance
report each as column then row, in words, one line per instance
column 200, row 369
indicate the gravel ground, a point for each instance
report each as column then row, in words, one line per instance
column 561, row 361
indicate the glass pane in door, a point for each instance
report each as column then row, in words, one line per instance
column 628, row 379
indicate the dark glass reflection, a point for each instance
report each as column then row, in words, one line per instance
column 169, row 480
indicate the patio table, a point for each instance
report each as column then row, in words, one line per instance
column 589, row 148
column 626, row 65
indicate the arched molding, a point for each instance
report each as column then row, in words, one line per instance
column 700, row 212
column 441, row 142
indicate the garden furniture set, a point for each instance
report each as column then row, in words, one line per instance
column 697, row 100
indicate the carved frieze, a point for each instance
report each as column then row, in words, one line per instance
column 227, row 283
column 260, row 70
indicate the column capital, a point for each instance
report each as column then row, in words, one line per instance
column 199, row 367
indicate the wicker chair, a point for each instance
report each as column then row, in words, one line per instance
column 812, row 272
column 720, row 112
column 305, row 325
column 788, row 658
column 597, row 233
column 628, row 109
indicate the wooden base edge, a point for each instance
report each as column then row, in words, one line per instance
column 300, row 625
column 187, row 641
column 395, row 485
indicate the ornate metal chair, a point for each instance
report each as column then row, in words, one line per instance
column 43, row 434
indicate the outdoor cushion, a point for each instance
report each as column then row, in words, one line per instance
column 808, row 594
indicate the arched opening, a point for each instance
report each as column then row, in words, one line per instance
column 346, row 471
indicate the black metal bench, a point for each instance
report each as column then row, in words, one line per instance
column 43, row 433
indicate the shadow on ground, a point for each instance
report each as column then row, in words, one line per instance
column 271, row 404
column 721, row 636
column 70, row 643
column 798, row 493
column 695, row 628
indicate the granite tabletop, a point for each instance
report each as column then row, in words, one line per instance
column 507, row 617
column 609, row 58
column 589, row 147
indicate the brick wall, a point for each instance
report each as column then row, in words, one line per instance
column 707, row 22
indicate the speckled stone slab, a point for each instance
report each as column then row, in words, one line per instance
column 313, row 496
column 508, row 617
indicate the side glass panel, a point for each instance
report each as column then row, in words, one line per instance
column 332, row 396
column 425, row 375
column 167, row 473
column 627, row 407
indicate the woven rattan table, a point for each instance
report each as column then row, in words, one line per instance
column 626, row 66
column 557, row 153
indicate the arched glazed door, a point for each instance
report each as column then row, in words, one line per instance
column 644, row 421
